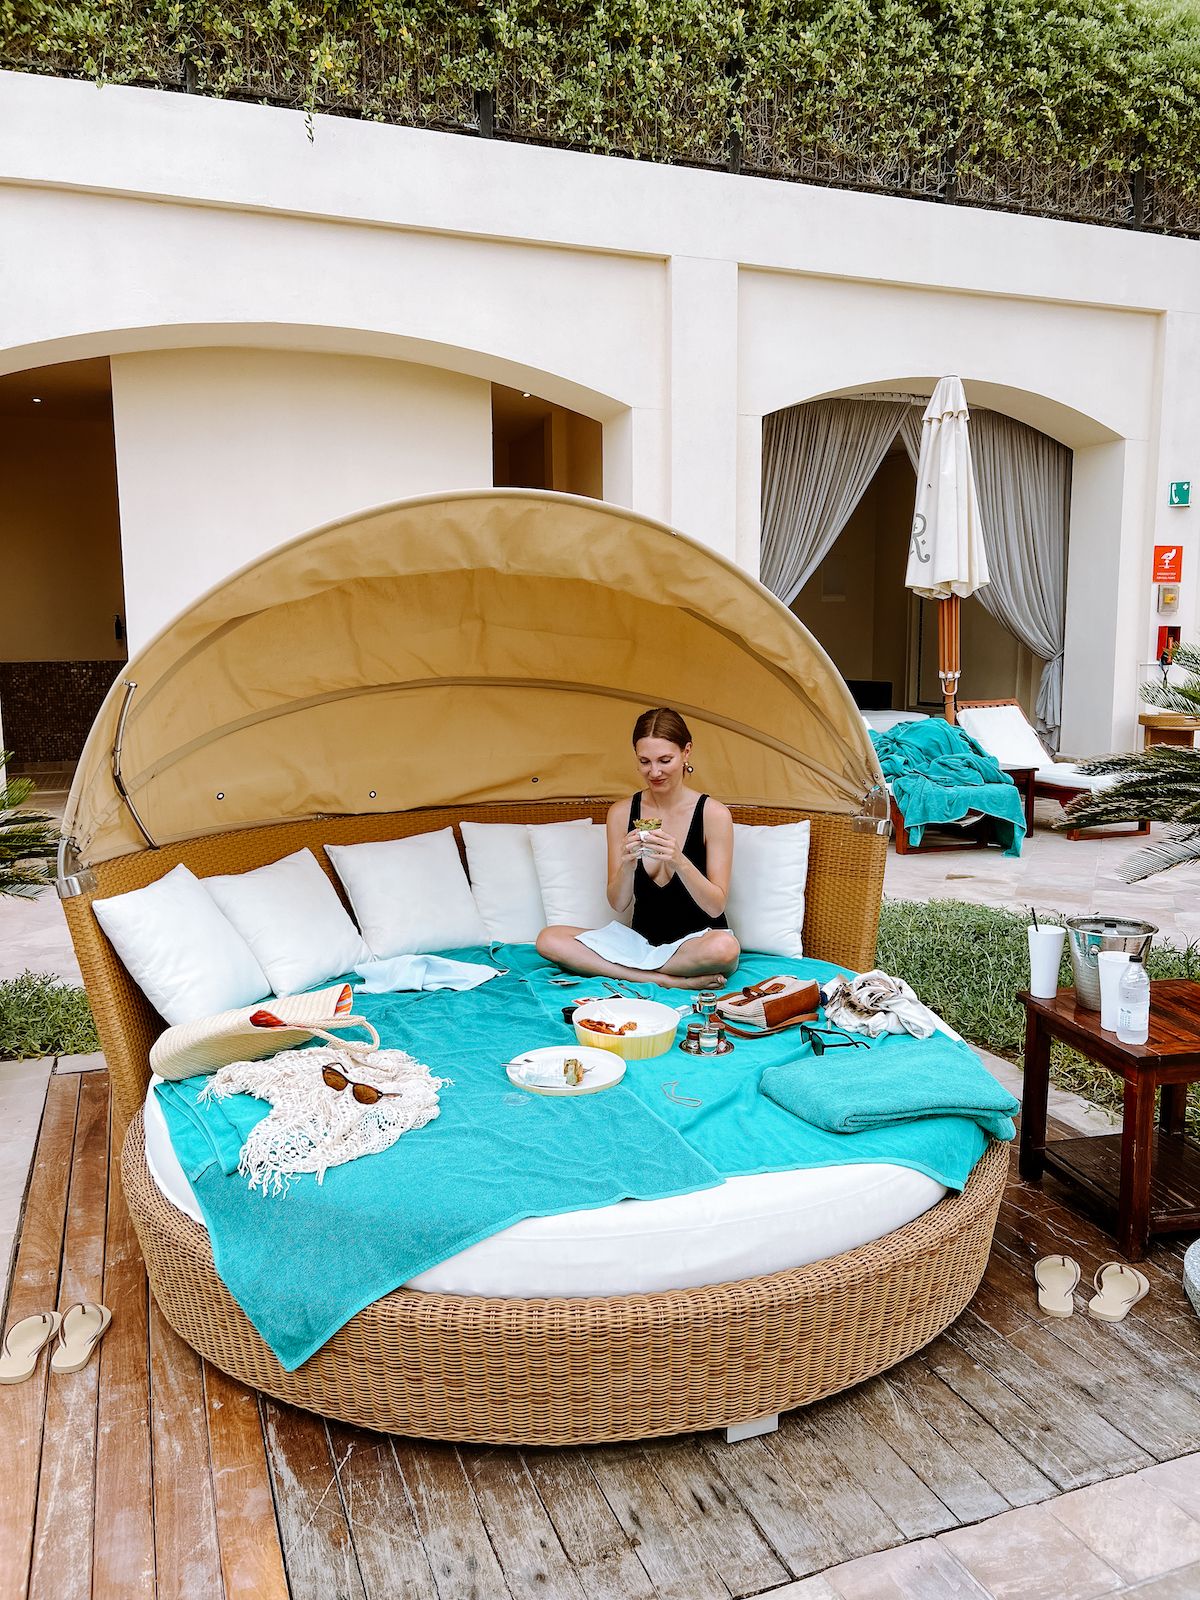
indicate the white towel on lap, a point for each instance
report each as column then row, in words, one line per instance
column 616, row 942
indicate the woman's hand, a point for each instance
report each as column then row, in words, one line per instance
column 631, row 850
column 661, row 849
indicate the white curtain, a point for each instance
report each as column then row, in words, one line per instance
column 1024, row 483
column 818, row 462
column 910, row 433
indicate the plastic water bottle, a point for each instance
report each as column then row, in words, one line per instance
column 1133, row 1005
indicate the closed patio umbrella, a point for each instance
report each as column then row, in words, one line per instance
column 946, row 560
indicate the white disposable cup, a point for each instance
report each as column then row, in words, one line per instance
column 1110, row 964
column 1045, row 958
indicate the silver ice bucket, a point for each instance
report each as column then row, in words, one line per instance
column 1089, row 935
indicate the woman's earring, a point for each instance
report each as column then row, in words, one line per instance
column 688, row 767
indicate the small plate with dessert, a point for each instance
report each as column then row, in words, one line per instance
column 565, row 1069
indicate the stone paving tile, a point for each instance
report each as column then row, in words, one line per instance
column 1029, row 1555
column 924, row 1570
column 814, row 1588
column 94, row 1062
column 1181, row 1585
column 1132, row 1526
column 34, row 938
column 1179, row 1481
column 1056, row 874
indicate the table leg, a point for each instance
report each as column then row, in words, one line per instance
column 1034, row 1094
column 1172, row 1111
column 1137, row 1133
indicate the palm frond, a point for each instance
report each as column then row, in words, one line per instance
column 1161, row 784
column 28, row 839
column 1175, row 849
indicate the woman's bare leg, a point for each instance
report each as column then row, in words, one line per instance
column 699, row 964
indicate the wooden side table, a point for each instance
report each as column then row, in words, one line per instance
column 1151, row 1177
column 1168, row 727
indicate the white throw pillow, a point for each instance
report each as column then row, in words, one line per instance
column 411, row 896
column 572, row 869
column 185, row 956
column 766, row 887
column 504, row 876
column 290, row 916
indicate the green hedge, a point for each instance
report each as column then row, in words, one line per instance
column 1005, row 102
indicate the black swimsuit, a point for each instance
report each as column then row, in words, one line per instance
column 664, row 912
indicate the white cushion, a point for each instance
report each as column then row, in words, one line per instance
column 885, row 721
column 1005, row 733
column 290, row 916
column 411, row 896
column 572, row 870
column 182, row 952
column 504, row 876
column 766, row 887
column 1066, row 775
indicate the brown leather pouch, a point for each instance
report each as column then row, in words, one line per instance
column 770, row 1006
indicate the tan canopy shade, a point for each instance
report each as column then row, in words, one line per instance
column 481, row 646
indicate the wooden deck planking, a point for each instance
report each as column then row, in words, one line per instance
column 61, row 1567
column 251, row 1498
column 123, row 1551
column 251, row 1560
column 34, row 1288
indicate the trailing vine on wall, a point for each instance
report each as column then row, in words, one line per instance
column 1087, row 108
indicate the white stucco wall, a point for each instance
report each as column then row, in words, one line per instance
column 675, row 306
column 224, row 454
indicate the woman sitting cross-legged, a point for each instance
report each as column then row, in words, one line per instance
column 670, row 851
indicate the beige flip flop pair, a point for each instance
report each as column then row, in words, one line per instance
column 1118, row 1288
column 79, row 1331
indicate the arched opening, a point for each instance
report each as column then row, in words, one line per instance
column 63, row 639
column 839, row 486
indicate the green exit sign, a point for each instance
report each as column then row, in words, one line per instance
column 1181, row 493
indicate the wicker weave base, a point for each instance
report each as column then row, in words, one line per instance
column 562, row 1372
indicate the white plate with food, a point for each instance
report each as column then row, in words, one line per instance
column 565, row 1069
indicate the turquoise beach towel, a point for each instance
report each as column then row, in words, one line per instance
column 301, row 1264
column 894, row 1080
column 938, row 773
column 742, row 1132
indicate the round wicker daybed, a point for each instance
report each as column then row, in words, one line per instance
column 480, row 656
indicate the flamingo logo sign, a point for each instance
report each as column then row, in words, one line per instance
column 1168, row 563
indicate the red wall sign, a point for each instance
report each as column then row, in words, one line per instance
column 1168, row 563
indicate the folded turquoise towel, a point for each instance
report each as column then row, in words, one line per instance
column 895, row 1080
column 938, row 773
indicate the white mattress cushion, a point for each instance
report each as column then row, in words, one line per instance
column 1066, row 775
column 290, row 916
column 885, row 721
column 504, row 876
column 1005, row 733
column 743, row 1228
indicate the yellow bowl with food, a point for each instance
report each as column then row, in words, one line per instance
column 637, row 1030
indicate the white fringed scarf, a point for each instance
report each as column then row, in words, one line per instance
column 311, row 1127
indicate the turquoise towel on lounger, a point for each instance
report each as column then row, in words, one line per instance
column 896, row 1079
column 301, row 1264
column 938, row 773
